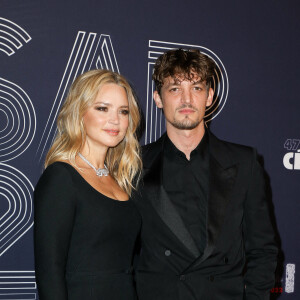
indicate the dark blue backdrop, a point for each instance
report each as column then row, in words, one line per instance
column 45, row 44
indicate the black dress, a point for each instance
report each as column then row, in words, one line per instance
column 84, row 241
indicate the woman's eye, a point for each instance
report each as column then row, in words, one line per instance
column 101, row 108
column 124, row 112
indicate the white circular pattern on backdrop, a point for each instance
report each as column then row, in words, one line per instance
column 12, row 37
column 18, row 132
column 16, row 207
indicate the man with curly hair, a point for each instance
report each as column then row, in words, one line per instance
column 206, row 230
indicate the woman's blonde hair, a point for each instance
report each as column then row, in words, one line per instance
column 123, row 161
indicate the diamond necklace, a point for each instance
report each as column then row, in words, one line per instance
column 99, row 172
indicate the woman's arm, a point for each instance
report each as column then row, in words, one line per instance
column 54, row 200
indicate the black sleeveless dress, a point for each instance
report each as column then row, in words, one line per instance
column 84, row 241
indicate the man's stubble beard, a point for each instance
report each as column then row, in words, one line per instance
column 185, row 124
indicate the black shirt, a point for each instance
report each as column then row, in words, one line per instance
column 187, row 182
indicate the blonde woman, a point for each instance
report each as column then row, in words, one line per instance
column 86, row 225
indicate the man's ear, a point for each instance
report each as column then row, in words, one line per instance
column 210, row 97
column 157, row 99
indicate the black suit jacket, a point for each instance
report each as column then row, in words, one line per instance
column 239, row 231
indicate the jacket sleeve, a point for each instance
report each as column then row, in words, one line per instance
column 260, row 246
column 54, row 202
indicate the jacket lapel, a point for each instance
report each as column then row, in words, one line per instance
column 155, row 192
column 223, row 173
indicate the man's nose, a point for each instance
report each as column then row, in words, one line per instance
column 186, row 96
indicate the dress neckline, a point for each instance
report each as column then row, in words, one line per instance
column 91, row 187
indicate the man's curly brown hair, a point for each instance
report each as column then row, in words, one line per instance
column 183, row 64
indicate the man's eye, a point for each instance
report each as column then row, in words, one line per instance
column 124, row 112
column 198, row 88
column 174, row 89
column 101, row 108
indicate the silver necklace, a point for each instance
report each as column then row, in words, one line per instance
column 99, row 172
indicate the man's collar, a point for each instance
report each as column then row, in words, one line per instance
column 173, row 152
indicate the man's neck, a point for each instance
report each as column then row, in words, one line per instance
column 186, row 140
